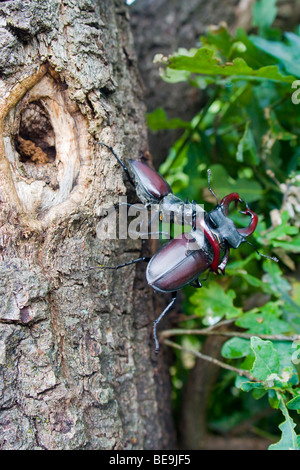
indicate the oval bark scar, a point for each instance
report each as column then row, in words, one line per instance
column 6, row 104
column 41, row 188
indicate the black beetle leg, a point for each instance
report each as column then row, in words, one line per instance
column 120, row 161
column 172, row 225
column 197, row 284
column 142, row 258
column 155, row 323
column 194, row 215
column 224, row 261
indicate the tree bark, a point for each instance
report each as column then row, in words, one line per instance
column 76, row 350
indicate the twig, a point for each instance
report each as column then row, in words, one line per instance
column 212, row 360
column 209, row 331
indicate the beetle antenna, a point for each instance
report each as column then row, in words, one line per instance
column 209, row 187
column 100, row 266
column 273, row 258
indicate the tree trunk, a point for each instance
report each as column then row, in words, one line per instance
column 76, row 348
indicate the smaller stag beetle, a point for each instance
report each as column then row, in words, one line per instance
column 181, row 260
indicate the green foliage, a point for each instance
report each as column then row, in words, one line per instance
column 248, row 134
column 213, row 303
column 266, row 362
column 264, row 320
column 289, row 439
column 206, row 61
column 158, row 120
column 287, row 53
column 264, row 13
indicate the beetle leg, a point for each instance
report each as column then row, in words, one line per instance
column 224, row 261
column 172, row 226
column 142, row 258
column 194, row 215
column 155, row 323
column 120, row 161
column 197, row 284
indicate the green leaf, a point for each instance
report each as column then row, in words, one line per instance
column 251, row 280
column 252, row 55
column 292, row 246
column 246, row 385
column 281, row 237
column 289, row 439
column 274, row 398
column 236, row 266
column 247, row 144
column 266, row 358
column 287, row 356
column 296, row 292
column 249, row 190
column 288, row 53
column 279, row 286
column 276, row 128
column 158, row 120
column 174, row 76
column 213, row 303
column 204, row 61
column 294, row 404
column 281, row 231
column 219, row 37
column 273, row 277
column 235, row 348
column 264, row 13
column 264, row 320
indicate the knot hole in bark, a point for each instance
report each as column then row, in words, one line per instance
column 36, row 139
column 46, row 143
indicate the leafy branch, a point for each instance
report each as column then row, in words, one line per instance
column 231, row 334
column 214, row 361
column 248, row 134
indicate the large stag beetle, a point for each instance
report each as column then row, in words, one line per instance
column 183, row 259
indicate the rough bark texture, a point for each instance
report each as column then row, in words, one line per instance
column 76, row 351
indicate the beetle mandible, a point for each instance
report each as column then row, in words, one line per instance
column 181, row 261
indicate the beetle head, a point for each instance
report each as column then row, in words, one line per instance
column 223, row 227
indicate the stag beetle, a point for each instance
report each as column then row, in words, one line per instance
column 181, row 261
